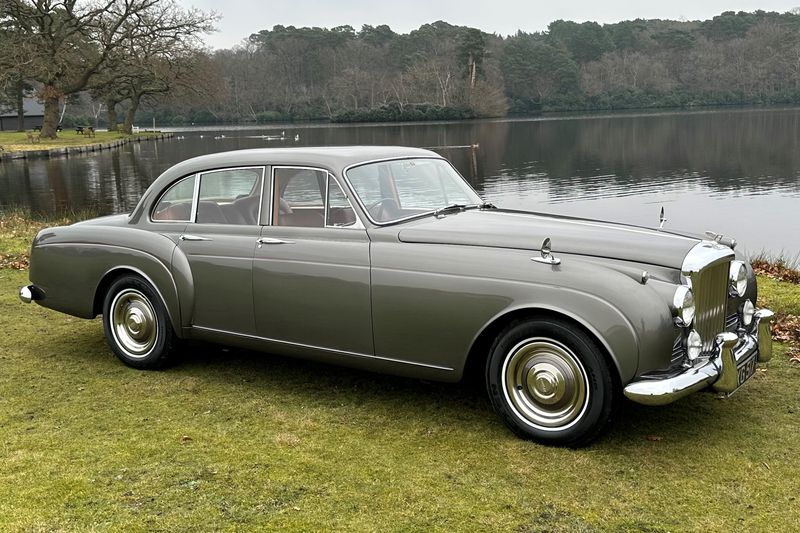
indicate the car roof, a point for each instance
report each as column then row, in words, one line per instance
column 333, row 158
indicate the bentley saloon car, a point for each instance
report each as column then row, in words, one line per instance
column 384, row 258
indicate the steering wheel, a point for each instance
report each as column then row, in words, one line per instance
column 382, row 208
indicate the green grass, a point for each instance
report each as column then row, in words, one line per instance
column 18, row 228
column 18, row 141
column 782, row 297
column 234, row 440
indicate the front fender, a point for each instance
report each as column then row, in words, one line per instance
column 431, row 304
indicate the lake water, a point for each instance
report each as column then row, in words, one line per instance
column 735, row 172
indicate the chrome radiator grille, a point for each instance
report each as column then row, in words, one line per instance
column 710, row 288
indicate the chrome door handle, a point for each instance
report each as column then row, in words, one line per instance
column 271, row 240
column 187, row 237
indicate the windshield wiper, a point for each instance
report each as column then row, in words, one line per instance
column 449, row 209
column 461, row 207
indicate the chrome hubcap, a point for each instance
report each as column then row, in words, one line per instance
column 133, row 323
column 545, row 383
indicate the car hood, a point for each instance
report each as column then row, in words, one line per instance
column 525, row 230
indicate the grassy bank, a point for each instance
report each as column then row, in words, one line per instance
column 234, row 440
column 18, row 141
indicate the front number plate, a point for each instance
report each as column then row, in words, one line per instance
column 747, row 369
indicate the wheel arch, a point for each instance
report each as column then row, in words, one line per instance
column 116, row 272
column 474, row 366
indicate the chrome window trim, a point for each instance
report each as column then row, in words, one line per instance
column 261, row 195
column 260, row 221
column 195, row 200
column 166, row 190
column 355, row 225
column 199, row 175
column 398, row 158
column 328, row 174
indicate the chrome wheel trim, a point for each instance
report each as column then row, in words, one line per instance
column 545, row 384
column 133, row 322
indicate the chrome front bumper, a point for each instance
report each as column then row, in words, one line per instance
column 720, row 371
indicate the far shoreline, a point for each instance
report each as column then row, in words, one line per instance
column 544, row 117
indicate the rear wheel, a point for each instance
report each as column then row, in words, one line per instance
column 136, row 324
column 549, row 382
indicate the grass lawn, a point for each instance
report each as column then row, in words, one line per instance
column 235, row 440
column 18, row 141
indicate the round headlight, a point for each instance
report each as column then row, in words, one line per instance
column 748, row 310
column 694, row 345
column 738, row 278
column 683, row 305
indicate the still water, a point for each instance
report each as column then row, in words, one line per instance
column 735, row 172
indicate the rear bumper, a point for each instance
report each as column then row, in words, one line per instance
column 720, row 371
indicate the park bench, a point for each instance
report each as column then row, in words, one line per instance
column 85, row 130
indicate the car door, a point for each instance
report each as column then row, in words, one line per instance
column 219, row 246
column 311, row 277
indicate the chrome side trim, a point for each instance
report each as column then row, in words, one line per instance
column 312, row 347
column 597, row 224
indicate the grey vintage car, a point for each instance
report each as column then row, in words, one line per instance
column 384, row 258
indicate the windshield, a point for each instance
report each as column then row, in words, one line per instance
column 398, row 189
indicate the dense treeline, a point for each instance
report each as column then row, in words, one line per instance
column 445, row 72
column 441, row 71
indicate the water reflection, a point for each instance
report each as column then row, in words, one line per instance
column 736, row 172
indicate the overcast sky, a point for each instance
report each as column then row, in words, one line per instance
column 240, row 18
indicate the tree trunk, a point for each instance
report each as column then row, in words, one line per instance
column 50, row 121
column 111, row 114
column 130, row 115
column 18, row 90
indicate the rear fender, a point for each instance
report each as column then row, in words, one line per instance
column 74, row 266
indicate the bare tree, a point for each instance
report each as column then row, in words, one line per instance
column 75, row 39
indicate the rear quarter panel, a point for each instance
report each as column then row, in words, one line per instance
column 69, row 263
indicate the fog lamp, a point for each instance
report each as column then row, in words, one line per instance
column 748, row 310
column 694, row 345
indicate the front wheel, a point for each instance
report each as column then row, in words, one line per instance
column 136, row 324
column 549, row 382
